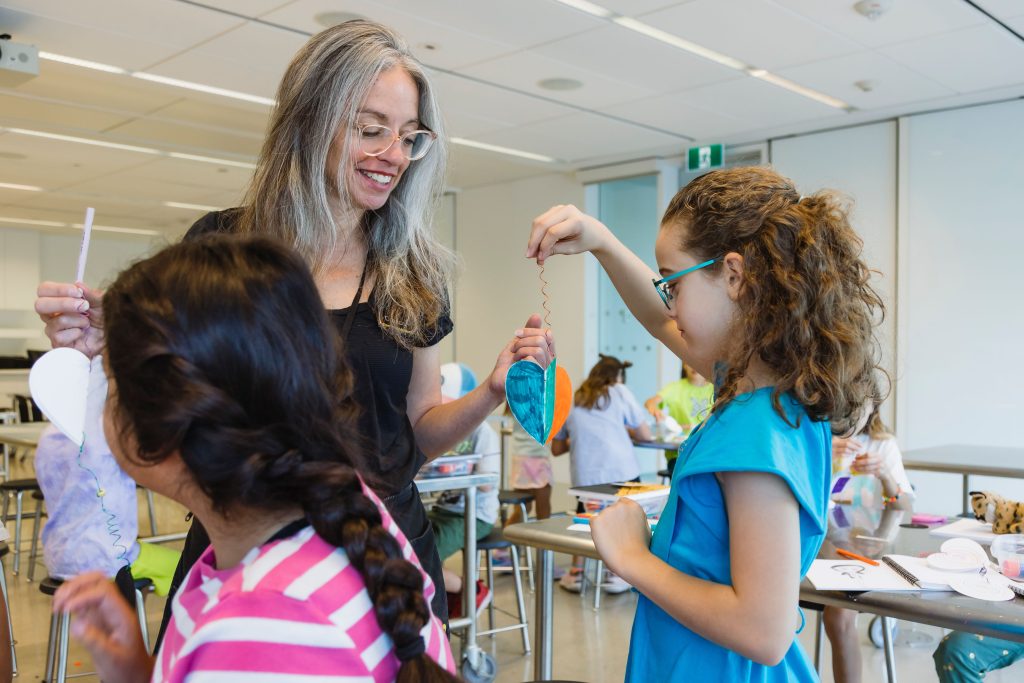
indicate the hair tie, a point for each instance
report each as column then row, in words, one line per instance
column 411, row 650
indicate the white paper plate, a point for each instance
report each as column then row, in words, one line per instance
column 977, row 586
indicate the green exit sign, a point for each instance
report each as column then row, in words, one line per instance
column 703, row 158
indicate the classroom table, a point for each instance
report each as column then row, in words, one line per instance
column 469, row 483
column 25, row 435
column 658, row 445
column 965, row 460
column 944, row 609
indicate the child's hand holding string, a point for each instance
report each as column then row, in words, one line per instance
column 106, row 626
column 564, row 229
column 73, row 315
column 621, row 534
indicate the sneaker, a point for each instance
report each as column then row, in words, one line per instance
column 614, row 584
column 483, row 599
column 571, row 581
column 501, row 558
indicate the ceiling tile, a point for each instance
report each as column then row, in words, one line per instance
column 114, row 31
column 758, row 104
column 996, row 58
column 768, row 37
column 636, row 59
column 677, row 113
column 523, row 70
column 892, row 83
column 485, row 102
column 208, row 140
column 19, row 112
column 251, row 8
column 76, row 85
column 473, row 168
column 637, row 8
column 907, row 20
column 224, row 114
column 454, row 47
column 199, row 68
column 582, row 136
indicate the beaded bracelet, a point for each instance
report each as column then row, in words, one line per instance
column 886, row 500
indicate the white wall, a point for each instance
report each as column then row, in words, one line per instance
column 860, row 163
column 961, row 281
column 499, row 288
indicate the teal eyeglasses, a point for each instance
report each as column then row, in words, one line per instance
column 663, row 287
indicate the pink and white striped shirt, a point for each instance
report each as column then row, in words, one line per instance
column 293, row 609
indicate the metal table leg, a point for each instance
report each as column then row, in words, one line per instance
column 545, row 581
column 890, row 657
column 469, row 569
column 967, row 495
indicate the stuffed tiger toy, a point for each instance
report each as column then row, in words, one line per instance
column 1006, row 516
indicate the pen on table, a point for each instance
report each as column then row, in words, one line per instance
column 855, row 556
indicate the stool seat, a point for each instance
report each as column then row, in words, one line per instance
column 20, row 485
column 510, row 497
column 37, row 494
column 4, row 549
column 493, row 541
column 143, row 584
column 664, row 473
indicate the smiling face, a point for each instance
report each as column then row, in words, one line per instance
column 393, row 101
column 703, row 302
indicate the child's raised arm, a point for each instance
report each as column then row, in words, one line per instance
column 564, row 229
column 757, row 615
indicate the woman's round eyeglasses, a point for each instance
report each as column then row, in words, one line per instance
column 375, row 140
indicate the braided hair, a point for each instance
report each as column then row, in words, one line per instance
column 220, row 349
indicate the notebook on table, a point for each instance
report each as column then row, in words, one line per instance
column 893, row 573
column 973, row 529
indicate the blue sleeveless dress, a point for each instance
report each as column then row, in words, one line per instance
column 693, row 532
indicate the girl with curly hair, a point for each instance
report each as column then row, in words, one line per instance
column 766, row 292
column 228, row 393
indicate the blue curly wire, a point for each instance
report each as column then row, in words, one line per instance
column 113, row 527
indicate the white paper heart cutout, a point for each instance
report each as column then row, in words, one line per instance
column 59, row 382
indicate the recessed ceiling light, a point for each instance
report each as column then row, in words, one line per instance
column 330, row 19
column 429, row 47
column 560, row 84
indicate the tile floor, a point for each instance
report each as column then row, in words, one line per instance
column 589, row 646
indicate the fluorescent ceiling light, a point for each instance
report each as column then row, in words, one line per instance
column 14, row 186
column 191, row 207
column 112, row 228
column 129, row 148
column 681, row 43
column 74, row 61
column 774, row 79
column 502, row 150
column 165, row 80
column 29, row 221
column 224, row 92
column 589, row 8
column 211, row 160
column 84, row 141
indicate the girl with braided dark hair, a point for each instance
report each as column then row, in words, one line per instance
column 767, row 292
column 224, row 385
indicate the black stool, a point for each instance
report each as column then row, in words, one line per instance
column 57, row 646
column 521, row 499
column 665, row 475
column 494, row 541
column 4, row 550
column 16, row 488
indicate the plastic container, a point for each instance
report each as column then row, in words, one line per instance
column 1008, row 549
column 450, row 466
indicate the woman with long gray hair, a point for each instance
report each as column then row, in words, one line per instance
column 348, row 175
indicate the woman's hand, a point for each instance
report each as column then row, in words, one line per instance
column 622, row 536
column 532, row 342
column 108, row 628
column 564, row 229
column 73, row 315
